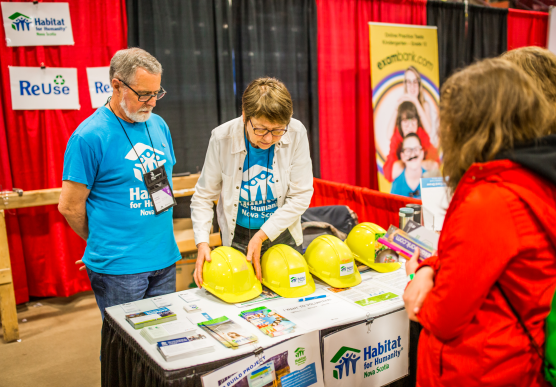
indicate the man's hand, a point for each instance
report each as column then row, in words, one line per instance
column 254, row 252
column 80, row 262
column 203, row 254
column 418, row 288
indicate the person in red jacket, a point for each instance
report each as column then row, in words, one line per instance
column 498, row 233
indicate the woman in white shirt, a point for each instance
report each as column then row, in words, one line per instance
column 259, row 169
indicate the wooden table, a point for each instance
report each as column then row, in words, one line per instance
column 183, row 186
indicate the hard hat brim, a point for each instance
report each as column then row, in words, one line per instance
column 384, row 267
column 255, row 291
column 300, row 291
column 340, row 283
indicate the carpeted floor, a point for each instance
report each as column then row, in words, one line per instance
column 60, row 344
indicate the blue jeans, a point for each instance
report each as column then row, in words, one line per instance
column 113, row 290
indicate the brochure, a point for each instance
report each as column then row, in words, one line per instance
column 169, row 331
column 403, row 243
column 227, row 332
column 196, row 344
column 435, row 198
column 268, row 321
column 150, row 317
column 419, row 232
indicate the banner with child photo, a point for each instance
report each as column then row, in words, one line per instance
column 404, row 81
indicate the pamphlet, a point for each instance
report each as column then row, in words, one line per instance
column 268, row 321
column 169, row 331
column 130, row 307
column 150, row 317
column 191, row 345
column 227, row 332
column 322, row 312
column 161, row 302
column 189, row 296
column 405, row 244
column 265, row 296
column 373, row 296
column 419, row 232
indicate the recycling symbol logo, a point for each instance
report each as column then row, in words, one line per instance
column 59, row 80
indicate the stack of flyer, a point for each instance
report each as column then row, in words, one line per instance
column 227, row 332
column 268, row 321
column 170, row 331
column 194, row 344
column 150, row 317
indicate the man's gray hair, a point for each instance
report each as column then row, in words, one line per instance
column 125, row 63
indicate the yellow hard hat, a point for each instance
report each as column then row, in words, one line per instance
column 331, row 260
column 362, row 240
column 286, row 273
column 230, row 277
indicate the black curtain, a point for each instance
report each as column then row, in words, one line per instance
column 193, row 42
column 278, row 38
column 487, row 31
column 450, row 20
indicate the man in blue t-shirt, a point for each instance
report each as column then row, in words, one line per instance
column 131, row 252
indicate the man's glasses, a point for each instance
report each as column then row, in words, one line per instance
column 263, row 132
column 146, row 97
column 411, row 151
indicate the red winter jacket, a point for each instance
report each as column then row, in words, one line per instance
column 501, row 226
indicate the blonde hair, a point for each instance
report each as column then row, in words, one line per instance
column 539, row 64
column 487, row 108
column 267, row 97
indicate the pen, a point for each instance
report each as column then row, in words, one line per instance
column 311, row 298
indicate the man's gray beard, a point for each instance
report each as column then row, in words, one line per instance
column 136, row 117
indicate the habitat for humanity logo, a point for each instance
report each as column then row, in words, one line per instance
column 300, row 357
column 345, row 357
column 149, row 158
column 20, row 21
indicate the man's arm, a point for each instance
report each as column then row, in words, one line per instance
column 72, row 205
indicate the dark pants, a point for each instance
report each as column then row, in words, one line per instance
column 113, row 290
column 242, row 237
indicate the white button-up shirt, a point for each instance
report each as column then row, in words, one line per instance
column 221, row 180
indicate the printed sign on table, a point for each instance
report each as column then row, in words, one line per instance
column 404, row 81
column 368, row 356
column 41, row 24
column 292, row 363
column 99, row 85
column 33, row 88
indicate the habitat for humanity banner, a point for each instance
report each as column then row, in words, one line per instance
column 41, row 24
column 33, row 88
column 404, row 80
column 368, row 355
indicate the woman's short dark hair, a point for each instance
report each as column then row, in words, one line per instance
column 269, row 98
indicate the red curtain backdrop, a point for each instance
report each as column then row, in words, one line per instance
column 347, row 147
column 527, row 28
column 43, row 248
column 369, row 205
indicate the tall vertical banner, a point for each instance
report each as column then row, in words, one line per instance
column 368, row 355
column 405, row 89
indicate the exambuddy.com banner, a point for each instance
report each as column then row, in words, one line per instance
column 404, row 80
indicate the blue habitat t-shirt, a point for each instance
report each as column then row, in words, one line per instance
column 125, row 236
column 257, row 200
column 400, row 187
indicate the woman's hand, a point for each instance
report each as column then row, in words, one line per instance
column 254, row 252
column 418, row 288
column 203, row 253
